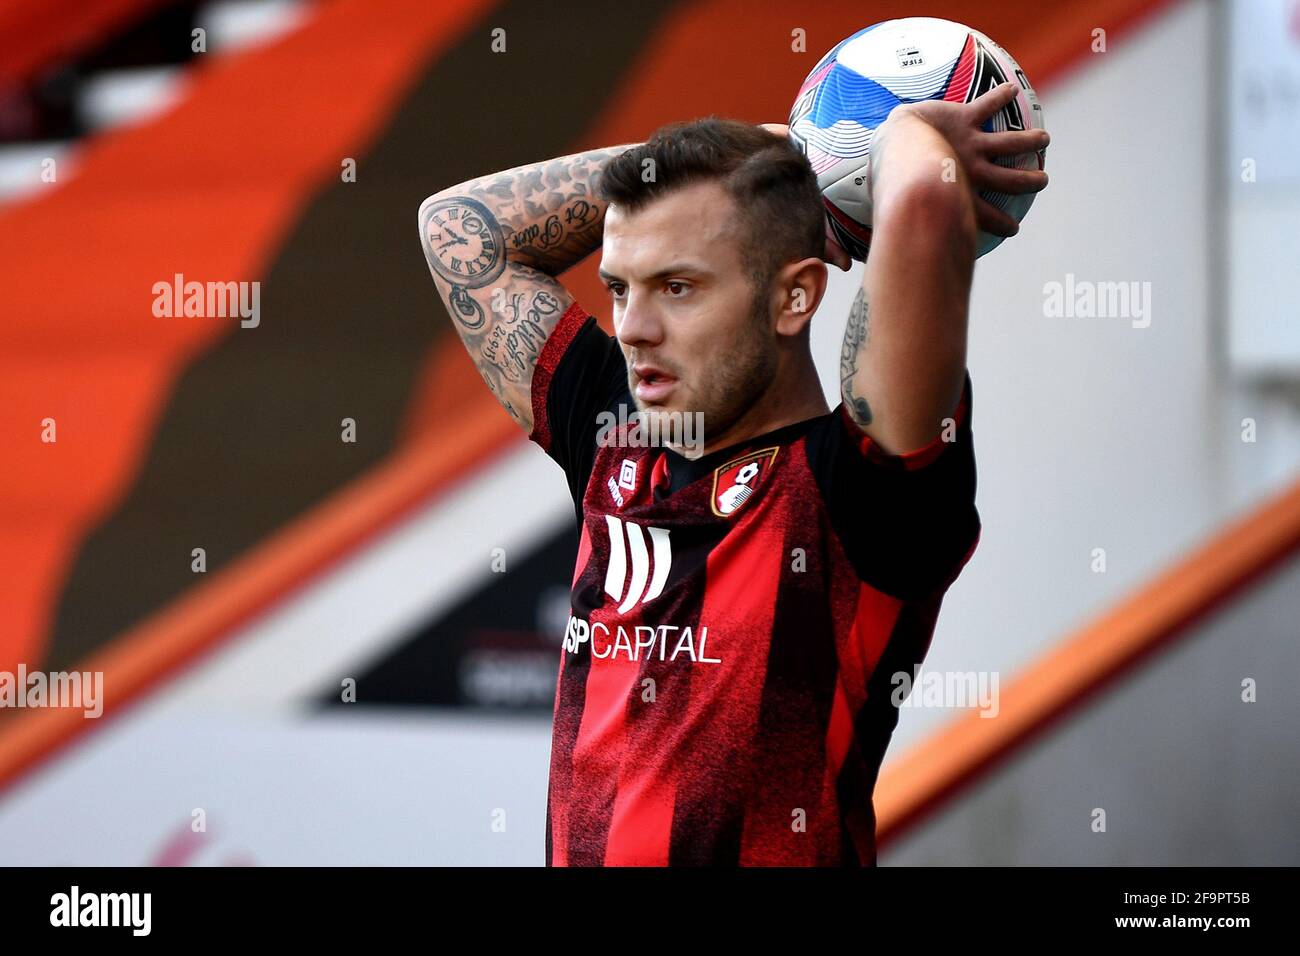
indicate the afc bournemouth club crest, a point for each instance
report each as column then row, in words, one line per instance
column 735, row 482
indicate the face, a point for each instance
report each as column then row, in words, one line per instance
column 695, row 336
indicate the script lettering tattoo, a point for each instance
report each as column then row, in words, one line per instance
column 856, row 335
column 514, row 343
column 537, row 237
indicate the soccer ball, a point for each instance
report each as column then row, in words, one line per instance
column 855, row 86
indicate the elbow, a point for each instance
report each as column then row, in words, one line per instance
column 931, row 210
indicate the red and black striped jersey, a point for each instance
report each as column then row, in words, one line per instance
column 725, row 679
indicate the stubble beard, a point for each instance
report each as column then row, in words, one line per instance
column 728, row 392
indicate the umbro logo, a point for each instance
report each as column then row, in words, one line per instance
column 626, row 479
column 637, row 572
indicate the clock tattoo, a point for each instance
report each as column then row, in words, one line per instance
column 463, row 242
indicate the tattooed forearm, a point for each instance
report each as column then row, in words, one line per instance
column 495, row 245
column 856, row 335
column 503, row 311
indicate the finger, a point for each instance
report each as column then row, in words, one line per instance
column 987, row 104
column 838, row 256
column 1005, row 179
column 835, row 253
column 1014, row 142
column 993, row 220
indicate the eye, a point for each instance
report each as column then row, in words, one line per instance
column 677, row 289
column 615, row 288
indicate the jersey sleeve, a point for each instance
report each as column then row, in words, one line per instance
column 579, row 373
column 907, row 522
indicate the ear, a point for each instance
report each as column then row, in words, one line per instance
column 798, row 290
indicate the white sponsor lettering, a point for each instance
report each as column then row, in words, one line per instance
column 662, row 642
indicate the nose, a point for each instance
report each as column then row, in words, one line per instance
column 638, row 324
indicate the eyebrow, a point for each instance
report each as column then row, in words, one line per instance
column 677, row 268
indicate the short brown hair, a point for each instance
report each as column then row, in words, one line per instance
column 770, row 180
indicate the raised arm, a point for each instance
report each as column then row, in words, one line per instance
column 495, row 247
column 903, row 360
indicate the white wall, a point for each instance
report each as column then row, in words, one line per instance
column 1178, row 767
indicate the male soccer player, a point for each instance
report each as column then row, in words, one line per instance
column 739, row 607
